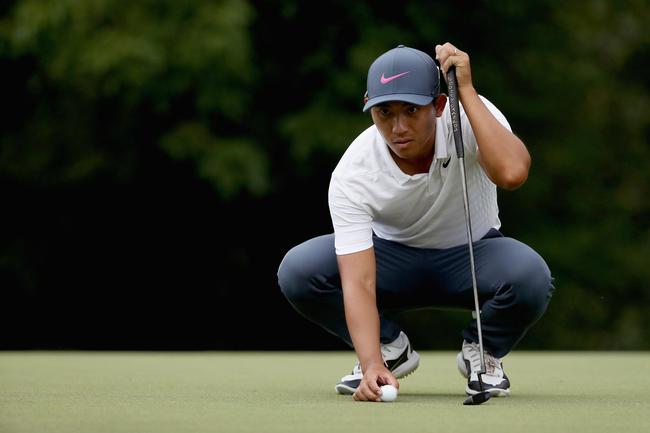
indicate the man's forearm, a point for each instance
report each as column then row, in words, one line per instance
column 501, row 153
column 358, row 278
column 363, row 324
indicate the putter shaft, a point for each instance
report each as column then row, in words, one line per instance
column 472, row 267
column 454, row 107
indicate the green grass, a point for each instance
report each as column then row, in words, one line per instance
column 294, row 392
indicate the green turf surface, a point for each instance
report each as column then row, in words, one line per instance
column 294, row 392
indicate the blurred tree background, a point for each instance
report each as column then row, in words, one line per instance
column 158, row 158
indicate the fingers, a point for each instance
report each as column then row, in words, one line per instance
column 364, row 393
column 448, row 55
column 370, row 387
column 393, row 381
column 387, row 379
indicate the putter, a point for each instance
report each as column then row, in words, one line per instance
column 454, row 107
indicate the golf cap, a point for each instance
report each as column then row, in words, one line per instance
column 402, row 74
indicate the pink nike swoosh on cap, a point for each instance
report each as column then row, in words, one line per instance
column 386, row 80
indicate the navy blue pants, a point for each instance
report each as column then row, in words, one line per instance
column 514, row 285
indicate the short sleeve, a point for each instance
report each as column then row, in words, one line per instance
column 352, row 223
column 469, row 138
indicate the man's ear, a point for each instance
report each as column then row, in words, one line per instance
column 439, row 104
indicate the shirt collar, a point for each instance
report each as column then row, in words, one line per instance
column 391, row 165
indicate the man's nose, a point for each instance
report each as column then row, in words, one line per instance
column 399, row 124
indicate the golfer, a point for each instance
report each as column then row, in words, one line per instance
column 400, row 241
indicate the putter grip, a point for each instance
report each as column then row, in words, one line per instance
column 454, row 107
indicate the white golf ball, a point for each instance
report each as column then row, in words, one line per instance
column 388, row 393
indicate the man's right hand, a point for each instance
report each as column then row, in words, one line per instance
column 373, row 379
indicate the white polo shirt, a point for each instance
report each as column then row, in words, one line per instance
column 369, row 193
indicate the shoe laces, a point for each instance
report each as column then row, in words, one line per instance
column 492, row 364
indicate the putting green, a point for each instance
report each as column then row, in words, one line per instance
column 294, row 392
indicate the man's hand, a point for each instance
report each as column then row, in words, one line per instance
column 373, row 379
column 449, row 55
column 502, row 154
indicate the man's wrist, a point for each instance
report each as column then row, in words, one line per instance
column 373, row 362
column 467, row 92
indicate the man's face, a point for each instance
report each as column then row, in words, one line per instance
column 409, row 129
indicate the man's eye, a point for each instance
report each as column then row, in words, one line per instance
column 412, row 109
column 384, row 112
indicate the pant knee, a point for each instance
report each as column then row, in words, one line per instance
column 291, row 280
column 534, row 287
column 308, row 270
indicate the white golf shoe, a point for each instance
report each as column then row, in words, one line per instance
column 398, row 356
column 494, row 379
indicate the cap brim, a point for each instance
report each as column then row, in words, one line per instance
column 402, row 97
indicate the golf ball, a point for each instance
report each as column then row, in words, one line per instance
column 388, row 393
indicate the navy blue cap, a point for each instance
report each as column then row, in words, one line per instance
column 402, row 74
